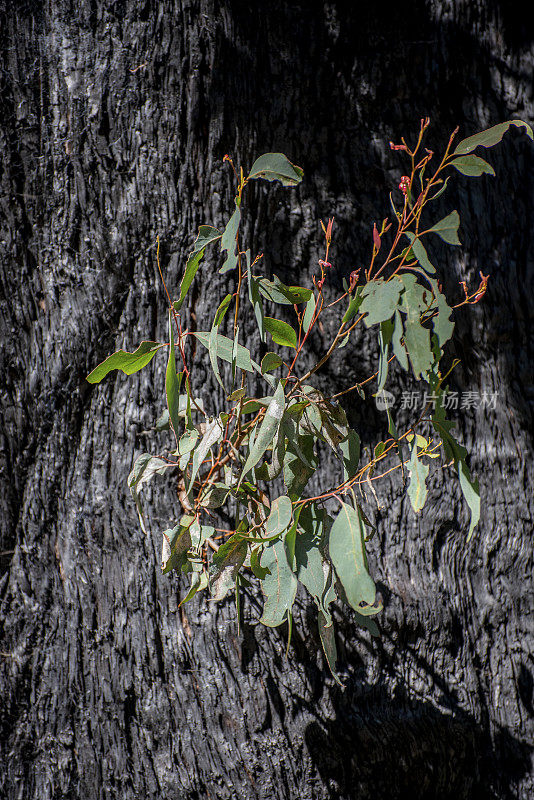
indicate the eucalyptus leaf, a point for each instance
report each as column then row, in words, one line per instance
column 279, row 586
column 281, row 332
column 126, row 362
column 346, row 548
column 447, row 228
column 276, row 167
column 490, row 137
column 417, row 491
column 473, row 166
column 267, row 431
column 380, row 299
column 229, row 242
column 225, row 348
column 206, row 235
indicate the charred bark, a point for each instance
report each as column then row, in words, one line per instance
column 115, row 118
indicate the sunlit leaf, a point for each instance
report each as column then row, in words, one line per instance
column 280, row 516
column 346, row 547
column 172, row 383
column 380, row 299
column 281, row 332
column 229, row 242
column 419, row 252
column 417, row 491
column 227, row 562
column 206, row 235
column 225, row 348
column 267, row 431
column 126, row 362
column 280, row 586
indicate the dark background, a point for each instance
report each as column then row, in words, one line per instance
column 115, row 117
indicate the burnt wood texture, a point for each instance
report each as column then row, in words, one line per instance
column 115, row 116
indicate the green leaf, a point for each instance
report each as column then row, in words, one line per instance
column 281, row 332
column 380, row 299
column 212, row 435
column 199, row 582
column 311, row 567
column 447, row 228
column 350, row 449
column 267, row 430
column 490, row 137
column 229, row 242
column 471, row 493
column 354, row 304
column 172, row 383
column 225, row 348
column 144, row 468
column 276, row 167
column 280, row 516
column 328, row 642
column 255, row 299
column 279, row 586
column 420, row 252
column 442, row 323
column 126, row 362
column 278, row 292
column 270, row 362
column 176, row 544
column 296, row 471
column 259, row 571
column 384, row 340
column 227, row 562
column 417, row 341
column 473, row 166
column 206, row 235
column 221, row 311
column 346, row 547
column 398, row 348
column 417, row 491
column 308, row 314
column 214, row 495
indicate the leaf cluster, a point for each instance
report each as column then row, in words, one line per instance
column 234, row 463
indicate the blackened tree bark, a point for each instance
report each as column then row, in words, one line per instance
column 115, row 115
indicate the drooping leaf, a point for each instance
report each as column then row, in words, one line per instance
column 380, row 299
column 255, row 565
column 229, row 242
column 308, row 314
column 176, row 544
column 384, row 340
column 490, row 137
column 354, row 305
column 199, row 582
column 126, row 362
column 447, row 228
column 296, row 471
column 227, row 562
column 276, row 167
column 311, row 566
column 225, row 348
column 473, row 166
column 471, row 493
column 281, row 332
column 144, row 468
column 398, row 348
column 280, row 516
column 212, row 434
column 172, row 383
column 420, row 253
column 417, row 341
column 417, row 491
column 346, row 548
column 279, row 586
column 267, row 431
column 442, row 323
column 328, row 642
column 206, row 235
column 350, row 449
column 255, row 298
column 214, row 495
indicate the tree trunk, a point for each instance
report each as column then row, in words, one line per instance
column 115, row 117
